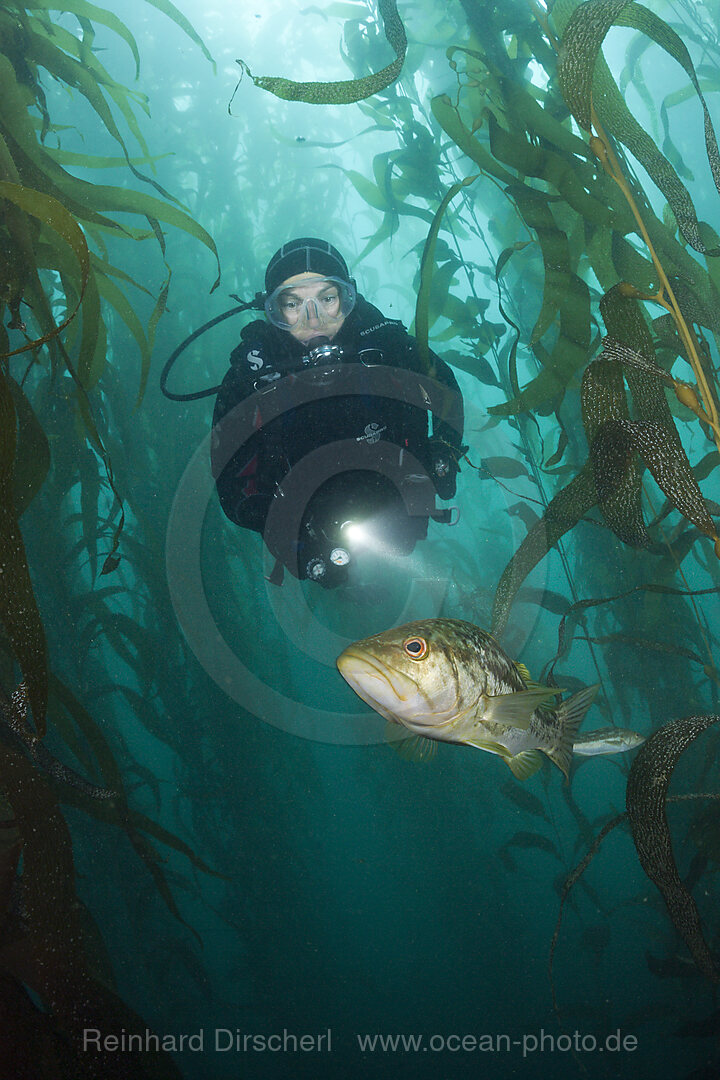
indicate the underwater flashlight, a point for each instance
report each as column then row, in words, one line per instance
column 339, row 556
column 354, row 532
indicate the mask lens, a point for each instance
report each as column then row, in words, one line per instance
column 313, row 305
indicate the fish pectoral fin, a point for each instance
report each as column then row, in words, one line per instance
column 409, row 747
column 416, row 748
column 525, row 764
column 516, row 709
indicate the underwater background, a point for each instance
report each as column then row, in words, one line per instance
column 213, row 835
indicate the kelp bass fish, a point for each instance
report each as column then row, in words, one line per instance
column 448, row 680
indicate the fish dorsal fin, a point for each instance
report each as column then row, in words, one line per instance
column 525, row 764
column 523, row 671
column 410, row 747
column 530, row 684
column 516, row 709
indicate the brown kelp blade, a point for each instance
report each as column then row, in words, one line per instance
column 612, row 451
column 586, row 81
column 562, row 514
column 426, row 270
column 347, row 90
column 53, row 215
column 645, row 799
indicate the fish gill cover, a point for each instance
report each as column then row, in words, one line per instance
column 525, row 172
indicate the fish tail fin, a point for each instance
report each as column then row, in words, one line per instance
column 570, row 713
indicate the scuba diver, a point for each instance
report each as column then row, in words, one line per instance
column 320, row 429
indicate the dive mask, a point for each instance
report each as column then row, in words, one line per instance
column 315, row 306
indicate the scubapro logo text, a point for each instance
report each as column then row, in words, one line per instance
column 372, row 433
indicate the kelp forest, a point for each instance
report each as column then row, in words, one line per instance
column 193, row 861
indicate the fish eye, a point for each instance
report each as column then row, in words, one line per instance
column 416, row 647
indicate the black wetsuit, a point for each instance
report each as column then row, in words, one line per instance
column 365, row 414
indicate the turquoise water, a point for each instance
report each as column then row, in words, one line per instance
column 346, row 895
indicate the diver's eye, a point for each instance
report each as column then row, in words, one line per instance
column 416, row 647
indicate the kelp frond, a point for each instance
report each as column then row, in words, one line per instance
column 59, row 293
column 622, row 441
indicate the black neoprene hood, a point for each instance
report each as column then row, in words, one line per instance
column 301, row 256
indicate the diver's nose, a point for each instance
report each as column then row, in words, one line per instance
column 313, row 313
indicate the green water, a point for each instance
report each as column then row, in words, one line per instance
column 272, row 889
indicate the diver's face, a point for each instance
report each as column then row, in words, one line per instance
column 310, row 305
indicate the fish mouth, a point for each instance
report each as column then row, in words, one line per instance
column 380, row 686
